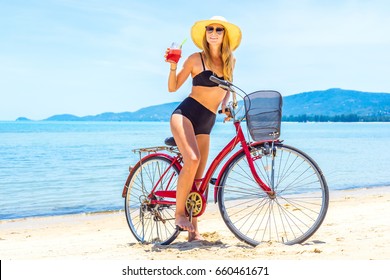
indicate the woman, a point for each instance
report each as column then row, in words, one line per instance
column 193, row 119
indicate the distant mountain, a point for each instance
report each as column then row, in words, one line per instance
column 22, row 119
column 153, row 113
column 64, row 117
column 331, row 102
column 337, row 101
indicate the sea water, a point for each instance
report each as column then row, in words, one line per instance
column 55, row 168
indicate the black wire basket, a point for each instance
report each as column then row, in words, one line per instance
column 263, row 114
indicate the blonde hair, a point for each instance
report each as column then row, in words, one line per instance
column 227, row 56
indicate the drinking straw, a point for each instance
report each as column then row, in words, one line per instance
column 182, row 43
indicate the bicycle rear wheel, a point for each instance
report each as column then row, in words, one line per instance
column 151, row 219
column 291, row 216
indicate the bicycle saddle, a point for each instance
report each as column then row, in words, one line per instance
column 170, row 141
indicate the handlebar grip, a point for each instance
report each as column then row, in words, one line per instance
column 226, row 110
column 220, row 82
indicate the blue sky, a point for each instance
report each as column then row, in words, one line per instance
column 88, row 57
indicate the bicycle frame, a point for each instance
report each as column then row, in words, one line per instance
column 239, row 138
column 176, row 160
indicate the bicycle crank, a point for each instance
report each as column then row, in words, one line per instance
column 195, row 204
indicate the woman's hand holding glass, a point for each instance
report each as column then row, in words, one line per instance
column 173, row 54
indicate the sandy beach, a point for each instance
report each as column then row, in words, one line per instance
column 357, row 227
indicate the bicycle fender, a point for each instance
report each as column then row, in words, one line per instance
column 131, row 170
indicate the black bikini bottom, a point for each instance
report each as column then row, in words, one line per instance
column 202, row 119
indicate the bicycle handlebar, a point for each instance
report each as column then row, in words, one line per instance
column 229, row 87
column 222, row 83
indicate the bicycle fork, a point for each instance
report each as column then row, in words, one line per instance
column 251, row 159
column 272, row 180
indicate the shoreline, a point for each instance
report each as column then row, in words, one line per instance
column 356, row 228
column 210, row 201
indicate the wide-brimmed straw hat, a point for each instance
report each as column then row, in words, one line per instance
column 199, row 28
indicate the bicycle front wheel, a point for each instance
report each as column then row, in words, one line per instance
column 151, row 219
column 292, row 215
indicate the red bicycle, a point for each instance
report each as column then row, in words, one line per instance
column 266, row 190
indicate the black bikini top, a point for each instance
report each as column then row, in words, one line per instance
column 203, row 78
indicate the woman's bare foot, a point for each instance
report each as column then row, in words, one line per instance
column 194, row 236
column 183, row 223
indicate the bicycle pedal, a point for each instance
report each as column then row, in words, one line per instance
column 180, row 228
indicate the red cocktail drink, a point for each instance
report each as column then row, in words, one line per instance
column 174, row 55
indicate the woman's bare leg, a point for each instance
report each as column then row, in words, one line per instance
column 184, row 135
column 203, row 141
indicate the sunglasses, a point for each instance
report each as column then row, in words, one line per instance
column 210, row 29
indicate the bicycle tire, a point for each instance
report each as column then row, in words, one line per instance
column 151, row 222
column 296, row 211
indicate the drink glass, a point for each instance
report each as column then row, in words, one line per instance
column 174, row 53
